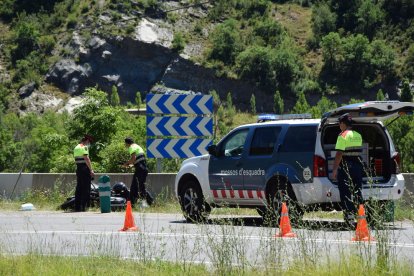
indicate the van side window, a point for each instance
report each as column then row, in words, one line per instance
column 264, row 140
column 234, row 145
column 299, row 139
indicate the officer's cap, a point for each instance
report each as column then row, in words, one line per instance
column 345, row 118
column 129, row 140
column 88, row 137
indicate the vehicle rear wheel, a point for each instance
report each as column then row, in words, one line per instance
column 275, row 197
column 192, row 202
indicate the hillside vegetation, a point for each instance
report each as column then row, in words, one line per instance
column 309, row 56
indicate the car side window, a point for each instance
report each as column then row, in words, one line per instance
column 234, row 145
column 299, row 139
column 264, row 140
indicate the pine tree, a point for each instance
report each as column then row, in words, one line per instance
column 114, row 96
column 253, row 104
column 229, row 100
column 380, row 95
column 279, row 104
column 406, row 94
column 301, row 105
column 138, row 100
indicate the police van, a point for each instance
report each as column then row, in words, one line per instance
column 290, row 158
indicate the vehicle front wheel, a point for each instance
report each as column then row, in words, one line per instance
column 192, row 202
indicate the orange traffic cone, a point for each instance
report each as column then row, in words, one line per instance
column 285, row 228
column 362, row 231
column 129, row 224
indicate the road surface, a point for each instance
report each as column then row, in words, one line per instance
column 223, row 240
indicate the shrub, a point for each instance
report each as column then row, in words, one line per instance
column 71, row 21
column 255, row 64
column 323, row 21
column 226, row 42
column 178, row 42
column 270, row 31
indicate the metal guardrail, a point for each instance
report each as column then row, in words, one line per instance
column 157, row 183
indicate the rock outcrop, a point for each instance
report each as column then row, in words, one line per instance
column 139, row 62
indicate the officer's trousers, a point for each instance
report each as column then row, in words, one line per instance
column 83, row 188
column 350, row 183
column 138, row 189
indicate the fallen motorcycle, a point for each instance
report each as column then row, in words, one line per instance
column 119, row 196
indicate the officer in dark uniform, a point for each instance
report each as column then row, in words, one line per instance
column 348, row 167
column 84, row 174
column 137, row 159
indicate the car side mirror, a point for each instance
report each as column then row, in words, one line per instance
column 212, row 150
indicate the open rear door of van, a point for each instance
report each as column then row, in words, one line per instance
column 370, row 111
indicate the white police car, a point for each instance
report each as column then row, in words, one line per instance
column 289, row 158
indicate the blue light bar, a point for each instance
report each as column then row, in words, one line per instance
column 275, row 117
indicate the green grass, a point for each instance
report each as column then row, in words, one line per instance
column 53, row 265
column 34, row 264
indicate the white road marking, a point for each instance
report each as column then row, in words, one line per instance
column 187, row 235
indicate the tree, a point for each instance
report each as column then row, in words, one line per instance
column 380, row 95
column 406, row 94
column 226, row 42
column 253, row 8
column 382, row 60
column 138, row 99
column 279, row 105
column 331, row 50
column 301, row 105
column 95, row 117
column 229, row 100
column 409, row 63
column 323, row 20
column 286, row 63
column 370, row 17
column 323, row 106
column 270, row 31
column 356, row 58
column 253, row 104
column 114, row 96
column 178, row 42
column 26, row 37
column 255, row 64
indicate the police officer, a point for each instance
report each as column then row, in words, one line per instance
column 137, row 159
column 348, row 167
column 84, row 174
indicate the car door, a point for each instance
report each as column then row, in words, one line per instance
column 297, row 152
column 259, row 158
column 224, row 177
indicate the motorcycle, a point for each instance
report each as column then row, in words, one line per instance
column 119, row 196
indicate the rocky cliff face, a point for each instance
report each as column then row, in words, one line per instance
column 138, row 63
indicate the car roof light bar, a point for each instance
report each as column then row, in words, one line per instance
column 274, row 117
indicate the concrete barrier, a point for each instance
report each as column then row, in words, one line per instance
column 157, row 183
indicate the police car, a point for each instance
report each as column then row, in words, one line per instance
column 290, row 158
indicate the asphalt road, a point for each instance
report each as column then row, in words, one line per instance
column 223, row 240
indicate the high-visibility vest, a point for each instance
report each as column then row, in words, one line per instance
column 79, row 152
column 350, row 142
column 139, row 154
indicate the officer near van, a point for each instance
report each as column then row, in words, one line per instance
column 348, row 167
column 84, row 174
column 137, row 158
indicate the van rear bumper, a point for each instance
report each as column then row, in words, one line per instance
column 322, row 190
column 392, row 190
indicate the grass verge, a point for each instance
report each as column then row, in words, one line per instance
column 34, row 264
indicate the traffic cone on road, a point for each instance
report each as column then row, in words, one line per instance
column 129, row 224
column 285, row 230
column 362, row 231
